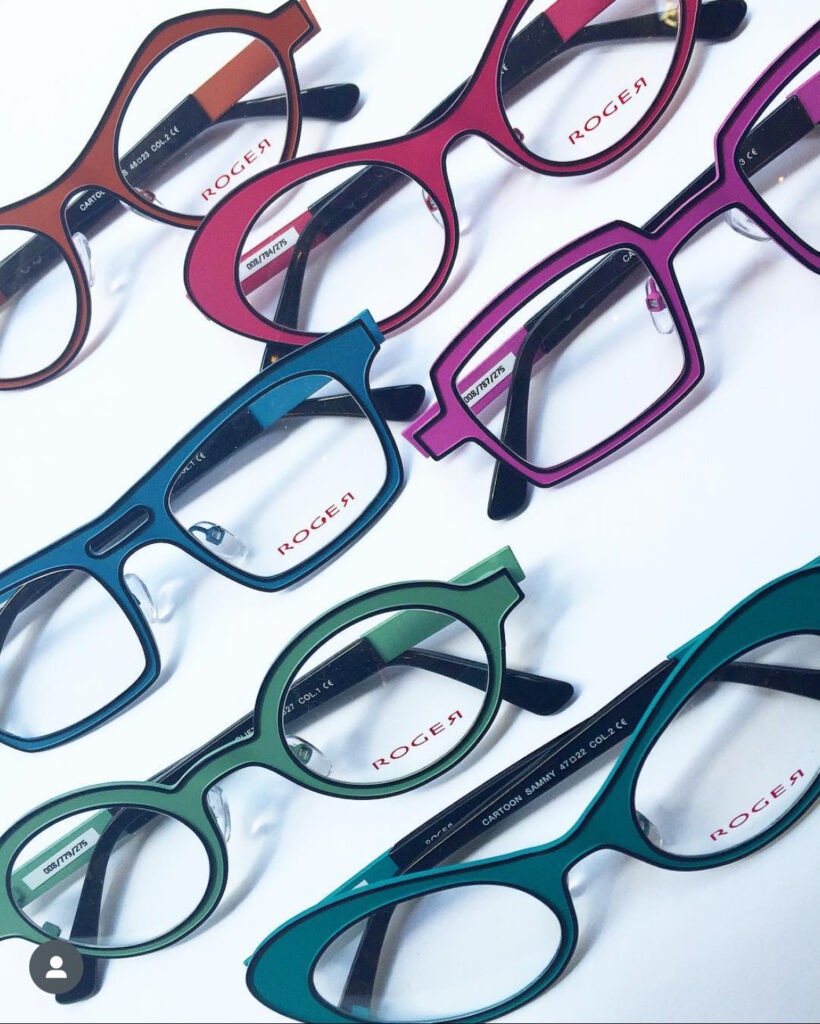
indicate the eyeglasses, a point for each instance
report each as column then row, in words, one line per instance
column 381, row 694
column 600, row 340
column 721, row 757
column 282, row 477
column 581, row 98
column 243, row 113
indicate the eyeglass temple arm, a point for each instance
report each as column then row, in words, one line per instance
column 399, row 402
column 529, row 778
column 781, row 129
column 528, row 51
column 395, row 641
column 186, row 122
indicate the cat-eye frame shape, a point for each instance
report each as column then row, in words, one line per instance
column 721, row 756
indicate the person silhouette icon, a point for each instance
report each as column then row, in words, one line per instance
column 56, row 968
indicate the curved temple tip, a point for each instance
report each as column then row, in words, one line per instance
column 333, row 102
column 509, row 493
column 400, row 402
column 537, row 694
column 88, row 985
column 719, row 19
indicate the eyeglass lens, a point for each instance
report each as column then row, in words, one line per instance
column 187, row 162
column 598, row 86
column 569, row 391
column 238, row 494
column 66, row 650
column 358, row 717
column 153, row 869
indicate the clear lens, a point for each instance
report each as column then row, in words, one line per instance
column 569, row 372
column 283, row 478
column 387, row 697
column 740, row 752
column 38, row 302
column 150, row 874
column 607, row 77
column 368, row 241
column 66, row 650
column 208, row 116
column 441, row 956
column 787, row 184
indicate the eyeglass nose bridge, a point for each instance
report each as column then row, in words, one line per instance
column 120, row 533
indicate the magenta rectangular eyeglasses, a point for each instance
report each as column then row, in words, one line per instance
column 594, row 344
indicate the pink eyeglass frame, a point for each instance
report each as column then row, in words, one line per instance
column 212, row 263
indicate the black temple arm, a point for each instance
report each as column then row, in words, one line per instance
column 360, row 660
column 537, row 694
column 324, row 102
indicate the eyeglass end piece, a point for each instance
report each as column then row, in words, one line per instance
column 230, row 546
column 307, row 754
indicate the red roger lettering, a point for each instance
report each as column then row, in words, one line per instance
column 759, row 805
column 239, row 167
column 436, row 729
column 322, row 519
column 609, row 110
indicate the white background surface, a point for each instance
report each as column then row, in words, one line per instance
column 623, row 564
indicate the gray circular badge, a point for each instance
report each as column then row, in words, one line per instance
column 56, row 967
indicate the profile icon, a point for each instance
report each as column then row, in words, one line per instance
column 56, row 967
column 56, row 970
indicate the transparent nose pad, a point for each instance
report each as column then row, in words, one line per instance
column 506, row 156
column 649, row 829
column 744, row 225
column 432, row 206
column 147, row 196
column 230, row 546
column 310, row 756
column 84, row 252
column 218, row 806
column 143, row 596
column 658, row 310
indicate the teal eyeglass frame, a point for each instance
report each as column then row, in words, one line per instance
column 481, row 598
column 786, row 606
column 143, row 514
